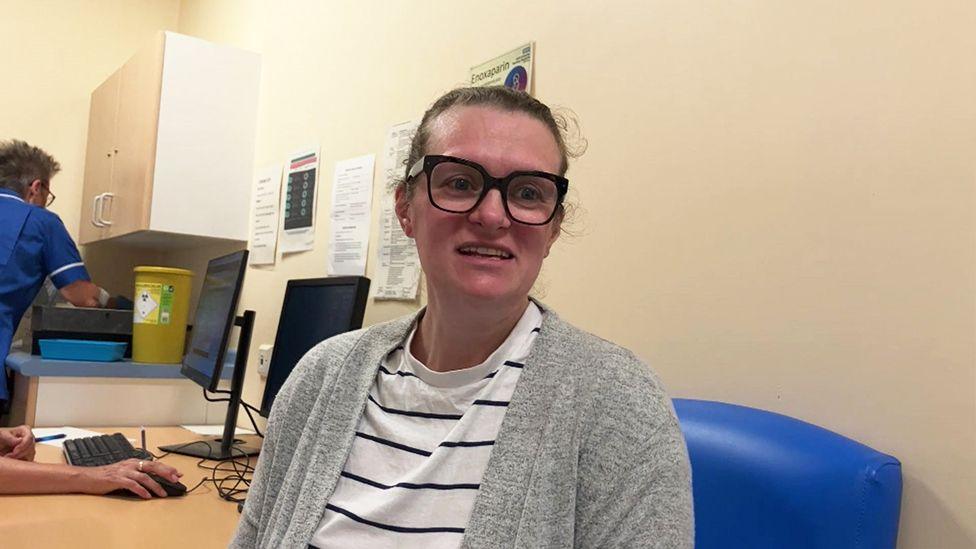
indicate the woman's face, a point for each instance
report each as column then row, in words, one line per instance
column 460, row 252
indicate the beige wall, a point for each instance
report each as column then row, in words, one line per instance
column 54, row 54
column 778, row 197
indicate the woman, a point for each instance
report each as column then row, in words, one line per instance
column 484, row 420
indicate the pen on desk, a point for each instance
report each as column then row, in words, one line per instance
column 50, row 437
column 142, row 431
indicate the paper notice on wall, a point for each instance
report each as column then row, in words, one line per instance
column 397, row 264
column 512, row 70
column 264, row 225
column 352, row 201
column 298, row 202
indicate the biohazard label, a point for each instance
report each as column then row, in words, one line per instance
column 146, row 307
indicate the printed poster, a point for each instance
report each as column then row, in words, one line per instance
column 397, row 263
column 352, row 201
column 512, row 70
column 264, row 225
column 299, row 200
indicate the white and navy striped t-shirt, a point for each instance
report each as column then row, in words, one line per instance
column 421, row 448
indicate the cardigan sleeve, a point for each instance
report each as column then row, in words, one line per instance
column 635, row 477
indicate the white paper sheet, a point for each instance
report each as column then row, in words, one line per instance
column 264, row 225
column 298, row 201
column 72, row 432
column 215, row 430
column 397, row 264
column 352, row 199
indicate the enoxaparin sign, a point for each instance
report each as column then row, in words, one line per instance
column 512, row 69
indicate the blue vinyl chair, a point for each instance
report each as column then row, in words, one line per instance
column 765, row 480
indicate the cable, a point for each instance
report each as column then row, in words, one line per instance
column 253, row 423
column 246, row 405
column 247, row 408
column 208, row 399
column 239, row 474
column 222, row 392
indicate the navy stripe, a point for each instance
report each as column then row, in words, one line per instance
column 402, row 529
column 507, row 363
column 397, row 373
column 398, row 348
column 420, row 452
column 410, row 485
column 463, row 444
column 392, row 444
column 489, row 403
column 429, row 415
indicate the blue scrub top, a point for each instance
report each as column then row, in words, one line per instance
column 34, row 245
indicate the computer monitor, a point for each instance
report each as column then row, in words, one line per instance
column 214, row 317
column 313, row 310
column 204, row 359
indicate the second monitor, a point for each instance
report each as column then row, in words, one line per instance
column 204, row 359
column 313, row 310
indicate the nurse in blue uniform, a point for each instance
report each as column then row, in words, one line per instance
column 34, row 243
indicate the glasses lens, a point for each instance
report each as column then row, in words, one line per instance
column 455, row 187
column 532, row 199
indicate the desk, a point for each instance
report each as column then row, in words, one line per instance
column 198, row 520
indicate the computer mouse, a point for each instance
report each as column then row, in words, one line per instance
column 172, row 489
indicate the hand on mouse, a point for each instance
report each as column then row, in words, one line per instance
column 129, row 475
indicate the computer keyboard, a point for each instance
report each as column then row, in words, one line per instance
column 101, row 450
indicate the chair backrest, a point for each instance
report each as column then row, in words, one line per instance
column 765, row 480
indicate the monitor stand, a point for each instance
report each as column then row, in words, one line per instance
column 227, row 446
column 214, row 449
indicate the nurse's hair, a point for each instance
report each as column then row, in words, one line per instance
column 501, row 98
column 21, row 164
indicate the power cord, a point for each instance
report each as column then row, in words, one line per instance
column 239, row 473
column 247, row 407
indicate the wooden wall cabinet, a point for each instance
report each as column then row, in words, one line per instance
column 171, row 146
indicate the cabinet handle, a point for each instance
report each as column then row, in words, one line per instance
column 105, row 222
column 96, row 204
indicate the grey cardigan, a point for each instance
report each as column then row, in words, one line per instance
column 589, row 453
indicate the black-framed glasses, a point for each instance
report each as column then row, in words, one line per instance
column 50, row 195
column 457, row 185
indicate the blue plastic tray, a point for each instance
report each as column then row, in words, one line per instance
column 80, row 349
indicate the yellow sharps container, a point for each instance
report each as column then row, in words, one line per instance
column 160, row 307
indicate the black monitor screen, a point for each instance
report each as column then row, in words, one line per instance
column 313, row 310
column 214, row 317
